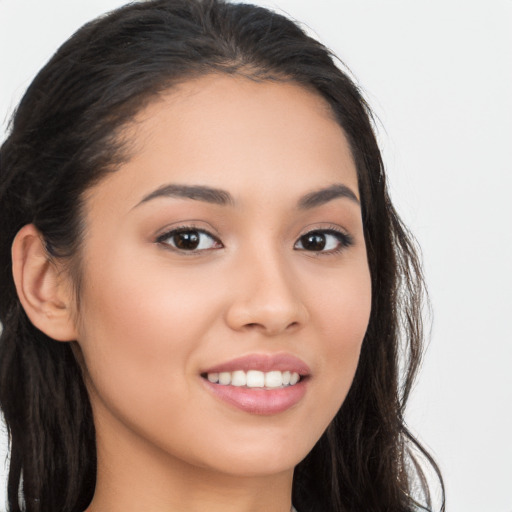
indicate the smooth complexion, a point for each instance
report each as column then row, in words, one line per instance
column 233, row 231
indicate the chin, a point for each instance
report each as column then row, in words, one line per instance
column 262, row 458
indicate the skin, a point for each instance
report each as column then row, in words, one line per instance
column 152, row 317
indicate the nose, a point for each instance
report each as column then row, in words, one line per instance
column 266, row 297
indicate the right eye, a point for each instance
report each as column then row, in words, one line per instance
column 325, row 241
column 189, row 240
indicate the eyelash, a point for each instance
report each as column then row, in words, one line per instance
column 344, row 240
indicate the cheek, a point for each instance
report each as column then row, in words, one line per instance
column 342, row 313
column 143, row 307
column 346, row 316
column 139, row 332
column 340, row 301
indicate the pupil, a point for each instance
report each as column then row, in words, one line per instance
column 313, row 242
column 187, row 240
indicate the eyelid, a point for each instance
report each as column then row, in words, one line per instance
column 192, row 224
column 322, row 226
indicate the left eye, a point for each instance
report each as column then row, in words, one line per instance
column 323, row 241
column 189, row 240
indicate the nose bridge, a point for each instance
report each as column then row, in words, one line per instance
column 266, row 296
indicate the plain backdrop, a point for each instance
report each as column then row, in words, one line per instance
column 439, row 77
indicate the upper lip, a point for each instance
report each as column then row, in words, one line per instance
column 263, row 363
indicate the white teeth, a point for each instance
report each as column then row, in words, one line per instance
column 273, row 379
column 255, row 379
column 238, row 378
column 225, row 378
column 213, row 377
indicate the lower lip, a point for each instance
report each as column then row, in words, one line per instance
column 257, row 400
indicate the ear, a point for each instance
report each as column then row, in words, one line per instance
column 43, row 289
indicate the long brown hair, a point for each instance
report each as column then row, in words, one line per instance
column 62, row 140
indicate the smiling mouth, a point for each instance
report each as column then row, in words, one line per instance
column 250, row 379
column 261, row 384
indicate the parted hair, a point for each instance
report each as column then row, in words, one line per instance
column 65, row 136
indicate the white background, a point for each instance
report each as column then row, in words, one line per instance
column 439, row 76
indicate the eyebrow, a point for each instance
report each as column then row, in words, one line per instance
column 195, row 192
column 224, row 198
column 324, row 195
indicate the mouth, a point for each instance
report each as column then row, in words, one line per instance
column 274, row 379
column 259, row 384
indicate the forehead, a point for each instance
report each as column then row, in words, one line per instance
column 232, row 132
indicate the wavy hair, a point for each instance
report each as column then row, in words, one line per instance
column 64, row 137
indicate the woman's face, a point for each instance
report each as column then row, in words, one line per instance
column 221, row 263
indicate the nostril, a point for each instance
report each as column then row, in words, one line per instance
column 271, row 328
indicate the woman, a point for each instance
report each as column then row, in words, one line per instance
column 206, row 292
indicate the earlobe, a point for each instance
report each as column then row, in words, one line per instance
column 42, row 289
